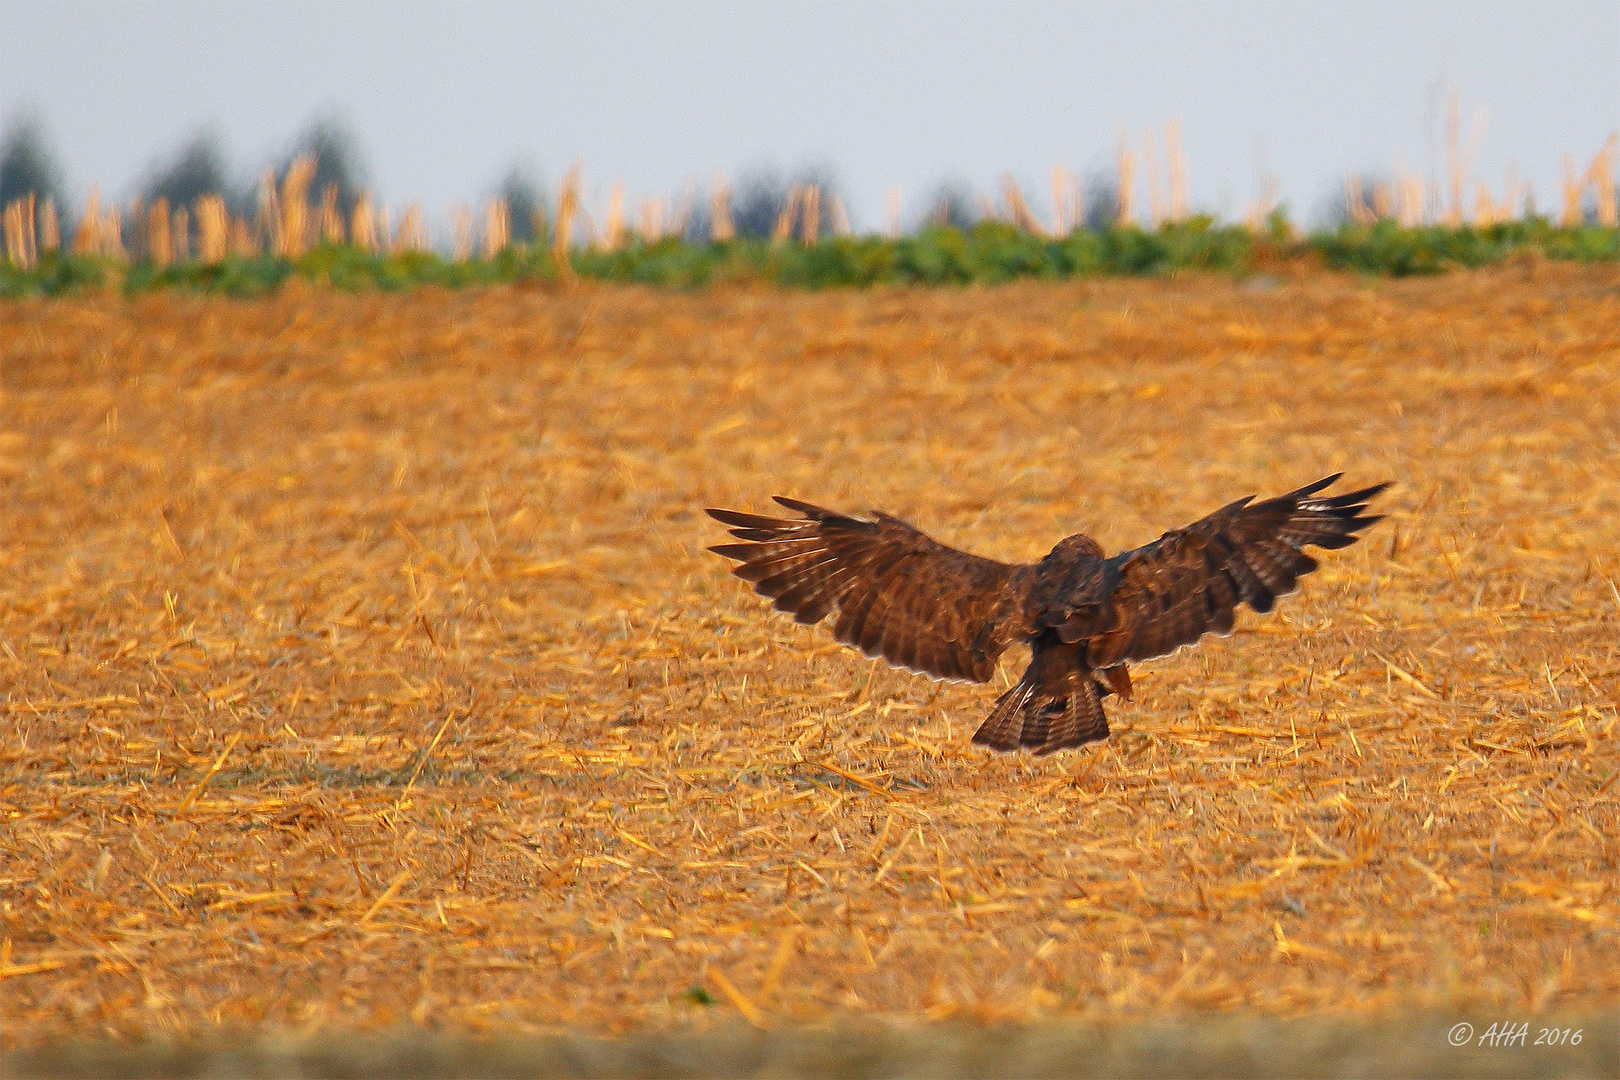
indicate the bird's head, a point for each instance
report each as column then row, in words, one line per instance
column 1078, row 546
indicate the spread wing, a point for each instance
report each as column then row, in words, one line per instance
column 1190, row 581
column 896, row 593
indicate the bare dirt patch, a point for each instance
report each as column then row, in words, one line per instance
column 363, row 665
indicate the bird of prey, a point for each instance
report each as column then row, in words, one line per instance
column 896, row 593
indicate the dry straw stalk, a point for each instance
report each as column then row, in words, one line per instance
column 497, row 228
column 158, row 245
column 562, row 235
column 19, row 232
column 810, row 223
column 720, row 225
column 1127, row 181
column 1017, row 209
column 363, row 231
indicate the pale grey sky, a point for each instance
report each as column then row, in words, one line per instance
column 445, row 97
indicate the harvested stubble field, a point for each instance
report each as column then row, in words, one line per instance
column 364, row 666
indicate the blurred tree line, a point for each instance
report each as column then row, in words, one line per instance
column 27, row 164
column 197, row 168
column 759, row 197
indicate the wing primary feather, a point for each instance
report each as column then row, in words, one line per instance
column 747, row 521
column 1311, row 489
column 809, row 510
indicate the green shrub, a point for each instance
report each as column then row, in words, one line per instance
column 989, row 252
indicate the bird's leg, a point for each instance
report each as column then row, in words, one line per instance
column 1119, row 677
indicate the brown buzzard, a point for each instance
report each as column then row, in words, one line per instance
column 929, row 608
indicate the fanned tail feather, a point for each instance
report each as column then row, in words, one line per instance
column 1057, row 704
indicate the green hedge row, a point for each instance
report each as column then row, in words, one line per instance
column 987, row 253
